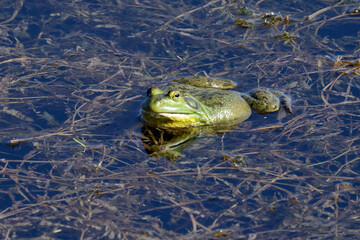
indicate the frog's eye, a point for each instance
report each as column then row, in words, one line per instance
column 174, row 95
column 274, row 107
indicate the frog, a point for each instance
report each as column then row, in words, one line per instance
column 201, row 101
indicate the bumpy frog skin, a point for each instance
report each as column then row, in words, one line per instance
column 265, row 100
column 200, row 101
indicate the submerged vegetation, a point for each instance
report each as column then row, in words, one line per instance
column 74, row 158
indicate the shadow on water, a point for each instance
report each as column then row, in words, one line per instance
column 73, row 76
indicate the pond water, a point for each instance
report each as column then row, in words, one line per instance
column 74, row 157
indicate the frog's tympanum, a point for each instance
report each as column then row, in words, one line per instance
column 190, row 103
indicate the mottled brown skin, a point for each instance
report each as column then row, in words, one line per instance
column 266, row 100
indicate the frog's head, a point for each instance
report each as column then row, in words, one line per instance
column 174, row 108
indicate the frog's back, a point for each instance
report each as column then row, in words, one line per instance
column 223, row 106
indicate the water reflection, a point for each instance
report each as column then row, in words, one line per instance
column 170, row 143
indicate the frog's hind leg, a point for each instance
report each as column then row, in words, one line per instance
column 259, row 105
column 205, row 82
column 284, row 100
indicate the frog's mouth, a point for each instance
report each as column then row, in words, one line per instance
column 169, row 119
column 166, row 114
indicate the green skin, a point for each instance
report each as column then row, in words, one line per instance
column 200, row 101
